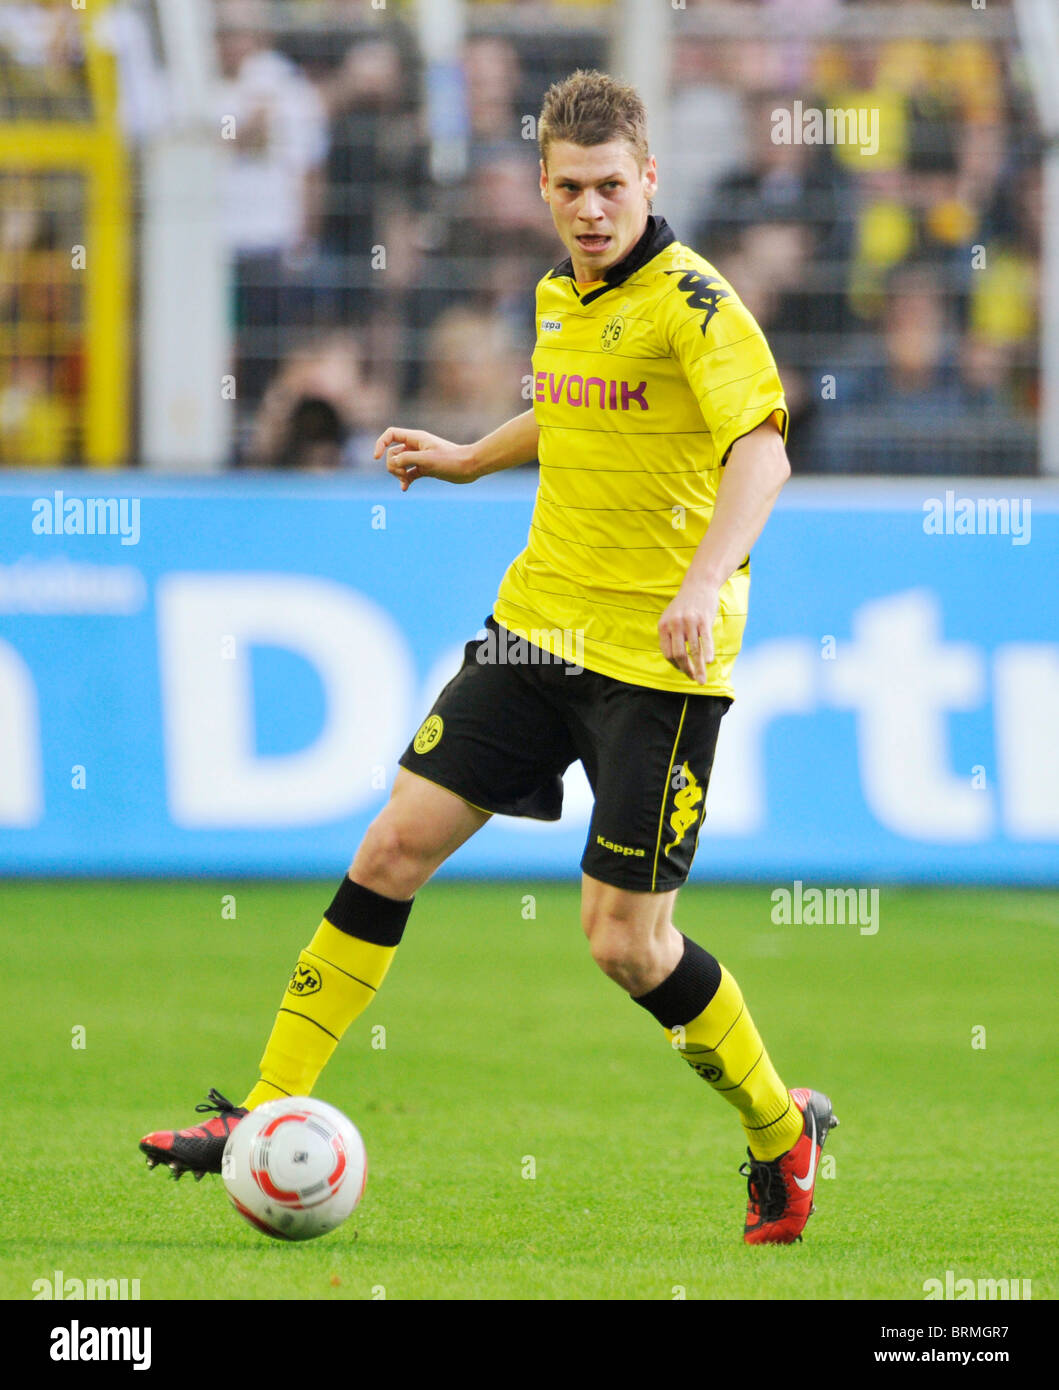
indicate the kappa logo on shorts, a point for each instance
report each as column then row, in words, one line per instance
column 305, row 979
column 429, row 735
column 620, row 849
column 686, row 801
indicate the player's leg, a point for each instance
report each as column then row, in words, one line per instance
column 697, row 1002
column 705, row 1018
column 651, row 755
column 489, row 744
column 493, row 743
column 340, row 970
column 337, row 975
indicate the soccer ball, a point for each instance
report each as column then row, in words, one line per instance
column 295, row 1168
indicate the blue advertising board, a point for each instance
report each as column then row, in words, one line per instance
column 203, row 677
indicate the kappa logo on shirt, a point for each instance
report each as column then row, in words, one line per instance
column 702, row 292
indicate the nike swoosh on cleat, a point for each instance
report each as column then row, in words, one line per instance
column 806, row 1183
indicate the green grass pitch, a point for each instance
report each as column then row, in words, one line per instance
column 507, row 1052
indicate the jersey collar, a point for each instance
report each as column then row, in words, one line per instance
column 656, row 237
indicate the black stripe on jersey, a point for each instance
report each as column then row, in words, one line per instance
column 594, row 352
column 629, row 434
column 717, row 347
column 594, row 318
column 721, row 385
column 601, row 603
column 558, row 593
column 643, row 511
column 618, row 646
column 587, row 545
column 655, row 472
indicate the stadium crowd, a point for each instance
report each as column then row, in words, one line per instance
column 375, row 279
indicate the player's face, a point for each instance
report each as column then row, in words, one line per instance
column 599, row 197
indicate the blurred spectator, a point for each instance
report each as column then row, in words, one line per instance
column 780, row 231
column 377, row 210
column 707, row 135
column 36, row 419
column 42, row 75
column 279, row 142
column 904, row 415
column 499, row 243
column 272, row 188
column 321, row 412
column 778, row 181
column 376, row 161
column 492, row 73
column 923, row 216
column 770, row 268
column 912, row 275
column 473, row 377
column 1000, row 353
column 41, row 309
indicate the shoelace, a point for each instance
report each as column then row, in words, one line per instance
column 215, row 1101
column 770, row 1200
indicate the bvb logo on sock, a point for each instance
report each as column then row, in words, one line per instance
column 706, row 1070
column 305, row 979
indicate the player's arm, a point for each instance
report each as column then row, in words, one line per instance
column 412, row 454
column 756, row 470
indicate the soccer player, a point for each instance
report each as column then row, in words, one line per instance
column 659, row 422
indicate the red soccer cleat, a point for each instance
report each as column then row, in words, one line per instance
column 198, row 1149
column 780, row 1191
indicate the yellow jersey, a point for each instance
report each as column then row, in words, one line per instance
column 642, row 383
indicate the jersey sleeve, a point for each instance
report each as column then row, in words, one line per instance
column 724, row 355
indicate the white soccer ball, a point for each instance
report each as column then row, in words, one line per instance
column 295, row 1168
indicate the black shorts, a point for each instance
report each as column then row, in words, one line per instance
column 512, row 720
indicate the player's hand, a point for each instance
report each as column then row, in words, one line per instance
column 412, row 454
column 685, row 631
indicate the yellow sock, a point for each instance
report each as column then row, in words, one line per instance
column 333, row 982
column 726, row 1050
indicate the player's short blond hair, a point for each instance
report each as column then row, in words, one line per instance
column 592, row 108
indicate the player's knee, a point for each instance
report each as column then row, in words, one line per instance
column 606, row 916
column 623, row 958
column 389, row 860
